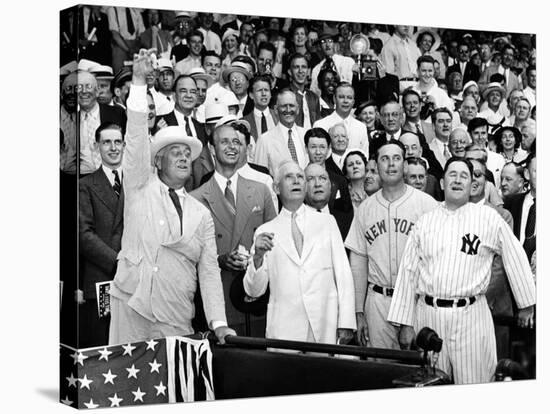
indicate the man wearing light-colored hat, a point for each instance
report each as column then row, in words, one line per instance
column 237, row 77
column 168, row 243
column 493, row 94
column 104, row 75
column 164, row 96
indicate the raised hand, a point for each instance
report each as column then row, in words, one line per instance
column 144, row 63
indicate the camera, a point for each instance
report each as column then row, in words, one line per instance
column 427, row 107
column 369, row 71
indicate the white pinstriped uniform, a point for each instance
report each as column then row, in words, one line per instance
column 438, row 262
column 379, row 231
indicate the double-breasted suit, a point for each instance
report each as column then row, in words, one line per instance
column 310, row 295
column 254, row 207
column 100, row 231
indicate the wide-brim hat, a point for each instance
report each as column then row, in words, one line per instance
column 326, row 35
column 493, row 86
column 235, row 67
column 199, row 73
column 432, row 32
column 102, row 72
column 174, row 135
column 213, row 112
column 67, row 68
column 86, row 64
column 468, row 84
column 232, row 119
column 498, row 133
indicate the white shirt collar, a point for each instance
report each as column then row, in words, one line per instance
column 109, row 173
column 222, row 182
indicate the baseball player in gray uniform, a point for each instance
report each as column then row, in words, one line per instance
column 445, row 271
column 376, row 241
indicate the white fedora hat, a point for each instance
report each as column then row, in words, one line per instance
column 174, row 135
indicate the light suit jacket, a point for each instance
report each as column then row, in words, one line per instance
column 254, row 207
column 314, row 290
column 158, row 268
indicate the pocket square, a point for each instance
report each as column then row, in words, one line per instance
column 256, row 208
column 337, row 194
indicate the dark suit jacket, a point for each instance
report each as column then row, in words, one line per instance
column 253, row 129
column 341, row 208
column 115, row 113
column 101, row 214
column 312, row 104
column 514, row 204
column 471, row 72
column 248, row 106
column 379, row 138
column 433, row 188
column 331, row 167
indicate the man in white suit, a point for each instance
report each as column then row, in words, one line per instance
column 286, row 140
column 301, row 256
column 168, row 243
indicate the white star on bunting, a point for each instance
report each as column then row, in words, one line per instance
column 132, row 372
column 85, row 382
column 138, row 395
column 109, row 377
column 91, row 404
column 115, row 401
column 78, row 358
column 155, row 366
column 160, row 389
column 66, row 401
column 151, row 344
column 72, row 380
column 128, row 349
column 104, row 354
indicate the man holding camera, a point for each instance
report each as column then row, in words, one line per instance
column 427, row 85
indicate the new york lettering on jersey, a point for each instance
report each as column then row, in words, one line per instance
column 399, row 225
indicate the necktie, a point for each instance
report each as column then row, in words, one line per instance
column 187, row 127
column 264, row 123
column 329, row 64
column 177, row 204
column 305, row 109
column 230, row 197
column 117, row 185
column 392, row 137
column 129, row 22
column 297, row 235
column 418, row 129
column 319, row 210
column 446, row 152
column 531, row 220
column 291, row 147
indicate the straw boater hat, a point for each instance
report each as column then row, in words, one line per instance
column 493, row 86
column 102, row 72
column 214, row 112
column 199, row 73
column 431, row 32
column 236, row 67
column 174, row 135
column 230, row 119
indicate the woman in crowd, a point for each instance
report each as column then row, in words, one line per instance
column 471, row 88
column 428, row 41
column 362, row 176
column 230, row 47
column 508, row 140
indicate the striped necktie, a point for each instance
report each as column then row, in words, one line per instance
column 117, row 185
column 292, row 147
column 230, row 197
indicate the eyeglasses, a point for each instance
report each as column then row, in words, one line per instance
column 86, row 87
column 329, row 41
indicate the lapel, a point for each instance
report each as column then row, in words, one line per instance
column 245, row 204
column 274, row 115
column 216, row 203
column 104, row 191
column 309, row 234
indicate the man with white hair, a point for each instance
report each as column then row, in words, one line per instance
column 344, row 99
column 168, row 242
column 467, row 112
column 301, row 257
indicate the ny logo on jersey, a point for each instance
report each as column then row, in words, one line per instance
column 470, row 244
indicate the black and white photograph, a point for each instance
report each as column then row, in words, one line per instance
column 345, row 205
column 291, row 207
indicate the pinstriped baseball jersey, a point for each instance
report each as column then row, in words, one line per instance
column 449, row 255
column 380, row 230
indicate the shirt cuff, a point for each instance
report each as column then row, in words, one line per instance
column 217, row 324
column 137, row 100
